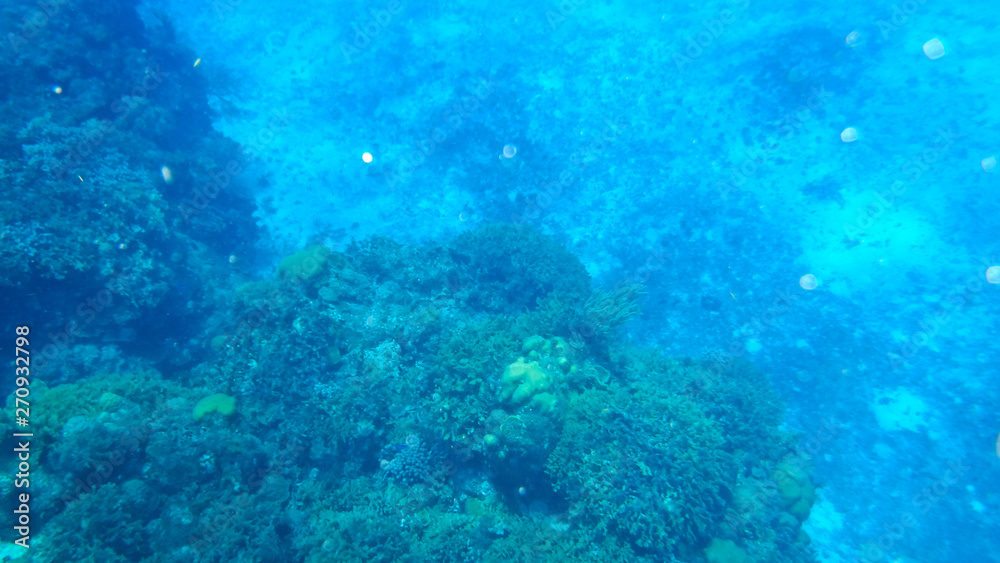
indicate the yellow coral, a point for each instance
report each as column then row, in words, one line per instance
column 527, row 382
column 219, row 402
column 523, row 380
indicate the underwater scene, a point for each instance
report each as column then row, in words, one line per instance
column 558, row 281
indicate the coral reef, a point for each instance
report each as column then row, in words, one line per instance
column 409, row 463
column 422, row 427
column 514, row 267
column 106, row 130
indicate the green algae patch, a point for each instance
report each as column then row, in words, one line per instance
column 796, row 488
column 305, row 264
column 219, row 402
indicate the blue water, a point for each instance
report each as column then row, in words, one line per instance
column 577, row 281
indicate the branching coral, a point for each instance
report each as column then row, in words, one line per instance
column 606, row 310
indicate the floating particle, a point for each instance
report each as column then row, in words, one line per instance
column 989, row 163
column 853, row 39
column 849, row 135
column 57, row 89
column 934, row 49
column 233, row 258
column 808, row 282
column 367, row 157
column 993, row 274
column 509, row 151
column 168, row 175
column 197, row 61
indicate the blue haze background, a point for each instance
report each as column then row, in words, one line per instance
column 683, row 101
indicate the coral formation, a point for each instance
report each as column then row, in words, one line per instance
column 514, row 267
column 305, row 264
column 108, row 140
column 218, row 402
column 531, row 380
column 525, row 380
column 725, row 551
column 409, row 463
column 796, row 489
column 413, row 403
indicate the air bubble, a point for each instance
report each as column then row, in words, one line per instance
column 993, row 274
column 934, row 49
